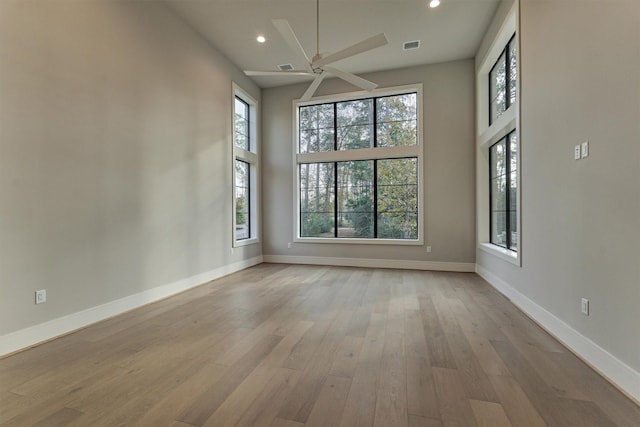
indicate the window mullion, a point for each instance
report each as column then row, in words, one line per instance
column 245, row 155
column 336, row 200
column 359, row 154
column 249, row 122
column 249, row 201
column 507, row 168
column 375, row 122
column 375, row 170
column 375, row 199
column 335, row 126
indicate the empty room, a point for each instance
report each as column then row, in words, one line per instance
column 320, row 213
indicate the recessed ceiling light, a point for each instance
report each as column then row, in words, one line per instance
column 434, row 3
column 261, row 39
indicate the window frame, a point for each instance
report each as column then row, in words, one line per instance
column 508, row 77
column 374, row 153
column 507, row 173
column 252, row 158
column 490, row 132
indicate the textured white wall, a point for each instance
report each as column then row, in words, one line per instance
column 115, row 178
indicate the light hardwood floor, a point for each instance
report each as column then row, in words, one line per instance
column 279, row 345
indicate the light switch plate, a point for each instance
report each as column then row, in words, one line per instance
column 576, row 152
column 585, row 149
column 584, row 306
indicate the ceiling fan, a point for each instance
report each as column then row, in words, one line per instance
column 318, row 66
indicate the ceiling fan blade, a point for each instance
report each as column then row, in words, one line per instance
column 313, row 87
column 352, row 78
column 277, row 73
column 289, row 36
column 363, row 46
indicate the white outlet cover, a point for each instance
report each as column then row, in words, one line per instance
column 41, row 296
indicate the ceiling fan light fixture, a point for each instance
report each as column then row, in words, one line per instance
column 434, row 3
column 317, row 66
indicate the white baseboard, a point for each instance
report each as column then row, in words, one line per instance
column 33, row 335
column 372, row 263
column 617, row 372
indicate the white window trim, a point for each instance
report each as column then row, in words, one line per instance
column 487, row 135
column 251, row 157
column 364, row 154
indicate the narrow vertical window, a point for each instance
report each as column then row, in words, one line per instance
column 503, row 185
column 498, row 151
column 243, row 201
column 245, row 169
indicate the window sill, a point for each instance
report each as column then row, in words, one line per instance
column 245, row 242
column 502, row 253
column 399, row 242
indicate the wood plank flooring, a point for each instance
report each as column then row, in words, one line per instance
column 282, row 345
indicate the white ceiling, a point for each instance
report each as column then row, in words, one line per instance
column 449, row 32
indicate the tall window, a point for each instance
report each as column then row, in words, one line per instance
column 358, row 164
column 245, row 160
column 503, row 155
column 503, row 186
column 498, row 120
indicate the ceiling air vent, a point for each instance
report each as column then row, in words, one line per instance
column 411, row 45
column 285, row 67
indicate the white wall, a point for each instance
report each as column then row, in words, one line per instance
column 580, row 80
column 115, row 176
column 448, row 91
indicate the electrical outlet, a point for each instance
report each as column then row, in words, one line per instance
column 428, row 248
column 41, row 296
column 289, row 245
column 577, row 152
column 585, row 149
column 585, row 306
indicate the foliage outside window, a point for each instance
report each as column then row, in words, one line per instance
column 369, row 189
column 242, row 137
column 245, row 163
column 243, row 203
column 503, row 164
column 502, row 82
